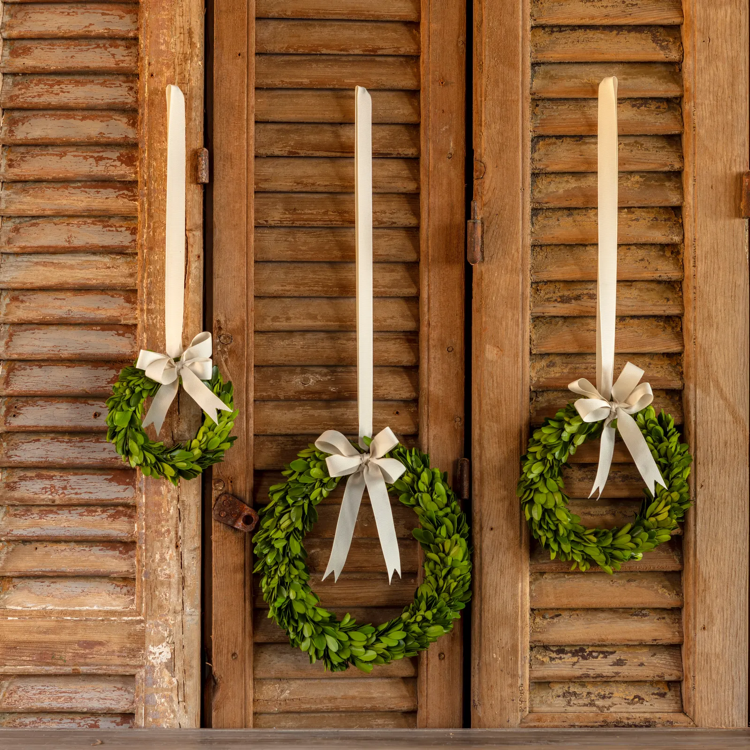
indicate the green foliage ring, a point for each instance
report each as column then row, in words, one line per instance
column 181, row 461
column 280, row 554
column 545, row 503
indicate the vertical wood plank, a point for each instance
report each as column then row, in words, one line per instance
column 441, row 397
column 230, row 649
column 171, row 51
column 715, row 38
column 500, row 363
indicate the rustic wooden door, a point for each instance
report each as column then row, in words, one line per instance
column 281, row 212
column 99, row 589
column 664, row 642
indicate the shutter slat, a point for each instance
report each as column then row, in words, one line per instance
column 67, row 487
column 69, row 92
column 24, row 450
column 578, row 298
column 69, row 20
column 34, row 414
column 61, row 198
column 110, row 342
column 665, row 557
column 336, row 37
column 333, row 245
column 646, row 697
column 279, row 139
column 636, row 154
column 72, row 523
column 281, row 105
column 67, row 559
column 581, row 80
column 68, row 693
column 71, row 127
column 68, row 234
column 68, row 307
column 58, row 379
column 578, row 117
column 387, row 10
column 69, row 56
column 636, row 663
column 571, row 335
column 68, row 271
column 615, row 12
column 29, row 163
column 334, row 175
column 27, row 595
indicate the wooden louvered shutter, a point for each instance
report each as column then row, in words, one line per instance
column 664, row 642
column 98, row 624
column 282, row 208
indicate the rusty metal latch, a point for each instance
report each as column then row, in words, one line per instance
column 474, row 237
column 233, row 512
column 463, row 490
column 745, row 199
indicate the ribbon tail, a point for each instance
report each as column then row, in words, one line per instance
column 160, row 404
column 606, row 451
column 202, row 394
column 381, row 508
column 355, row 488
column 636, row 443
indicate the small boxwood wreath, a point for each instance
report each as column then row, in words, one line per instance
column 181, row 461
column 280, row 553
column 545, row 503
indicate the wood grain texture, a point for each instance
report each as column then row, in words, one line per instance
column 83, row 693
column 79, row 523
column 335, row 37
column 388, row 10
column 599, row 590
column 294, row 696
column 67, row 487
column 639, row 697
column 83, row 643
column 578, row 117
column 330, row 105
column 336, row 72
column 601, row 627
column 606, row 12
column 68, row 234
column 68, row 20
column 594, row 663
column 26, row 127
column 40, row 721
column 69, row 271
column 75, row 92
column 369, row 720
column 648, row 153
column 322, row 139
column 587, row 722
column 622, row 44
column 22, row 163
column 717, row 152
column 68, row 342
column 563, row 80
column 334, row 175
column 48, row 596
column 333, row 245
column 501, row 141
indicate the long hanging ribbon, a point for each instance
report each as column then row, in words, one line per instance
column 194, row 365
column 608, row 402
column 369, row 469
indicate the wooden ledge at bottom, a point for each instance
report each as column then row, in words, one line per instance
column 508, row 739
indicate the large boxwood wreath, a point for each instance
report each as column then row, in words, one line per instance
column 545, row 503
column 184, row 460
column 280, row 552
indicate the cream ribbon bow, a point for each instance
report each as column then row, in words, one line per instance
column 371, row 470
column 627, row 398
column 607, row 401
column 368, row 469
column 194, row 366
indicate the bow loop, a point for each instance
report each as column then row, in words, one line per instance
column 365, row 470
column 193, row 367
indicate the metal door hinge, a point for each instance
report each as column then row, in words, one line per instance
column 201, row 166
column 745, row 199
column 463, row 489
column 474, row 238
column 233, row 512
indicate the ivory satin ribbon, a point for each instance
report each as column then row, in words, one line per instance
column 610, row 401
column 369, row 469
column 194, row 365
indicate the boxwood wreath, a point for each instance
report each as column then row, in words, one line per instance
column 545, row 503
column 280, row 553
column 181, row 461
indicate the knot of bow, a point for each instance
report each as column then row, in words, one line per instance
column 627, row 398
column 193, row 367
column 371, row 470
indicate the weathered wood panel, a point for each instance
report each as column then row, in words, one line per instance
column 388, row 10
column 606, row 12
column 116, row 91
column 80, row 523
column 77, row 21
column 27, row 595
column 594, row 663
column 82, row 693
column 26, row 127
column 638, row 697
